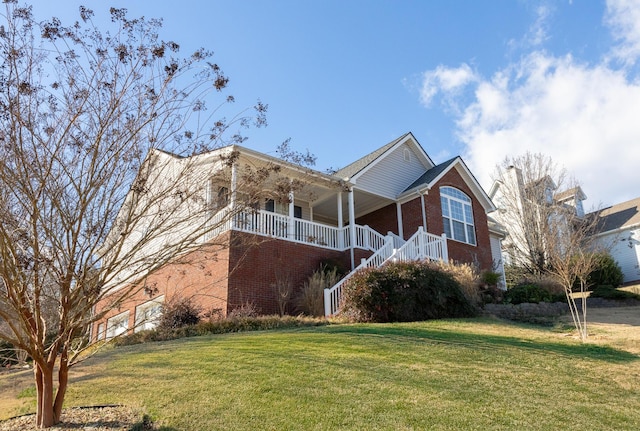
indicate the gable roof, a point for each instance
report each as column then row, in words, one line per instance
column 619, row 216
column 359, row 166
column 567, row 194
column 433, row 175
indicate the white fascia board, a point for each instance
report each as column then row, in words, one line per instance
column 618, row 230
column 300, row 169
column 471, row 182
column 410, row 140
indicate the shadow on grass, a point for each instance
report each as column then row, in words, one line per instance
column 487, row 341
column 146, row 424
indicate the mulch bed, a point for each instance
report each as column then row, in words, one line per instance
column 102, row 418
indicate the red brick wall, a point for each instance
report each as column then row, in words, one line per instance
column 229, row 277
column 382, row 220
column 411, row 217
column 459, row 251
column 200, row 275
column 257, row 267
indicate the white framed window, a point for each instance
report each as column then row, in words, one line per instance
column 147, row 314
column 457, row 215
column 100, row 331
column 217, row 196
column 118, row 324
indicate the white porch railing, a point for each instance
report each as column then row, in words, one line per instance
column 368, row 238
column 422, row 245
column 280, row 226
column 218, row 224
column 398, row 241
column 333, row 295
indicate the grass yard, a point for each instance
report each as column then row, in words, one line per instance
column 443, row 375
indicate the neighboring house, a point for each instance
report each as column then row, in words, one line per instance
column 394, row 203
column 619, row 230
column 524, row 209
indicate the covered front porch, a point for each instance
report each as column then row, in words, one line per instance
column 316, row 208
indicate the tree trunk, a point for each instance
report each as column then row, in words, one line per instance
column 44, row 382
column 63, row 379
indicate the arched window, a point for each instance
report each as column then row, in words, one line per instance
column 457, row 215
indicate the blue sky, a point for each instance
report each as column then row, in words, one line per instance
column 480, row 79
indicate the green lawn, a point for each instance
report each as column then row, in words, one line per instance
column 441, row 375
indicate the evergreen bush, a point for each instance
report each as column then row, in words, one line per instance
column 403, row 292
column 608, row 272
column 523, row 293
column 610, row 292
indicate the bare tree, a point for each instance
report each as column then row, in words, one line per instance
column 523, row 192
column 94, row 191
column 572, row 257
column 547, row 231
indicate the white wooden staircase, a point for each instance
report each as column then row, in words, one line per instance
column 420, row 246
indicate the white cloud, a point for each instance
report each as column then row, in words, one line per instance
column 537, row 34
column 445, row 79
column 584, row 116
column 538, row 31
column 623, row 17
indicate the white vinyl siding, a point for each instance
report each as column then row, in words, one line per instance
column 391, row 175
column 625, row 250
column 457, row 215
column 496, row 257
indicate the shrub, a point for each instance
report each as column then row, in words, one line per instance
column 221, row 326
column 527, row 293
column 607, row 272
column 515, row 275
column 311, row 297
column 610, row 292
column 283, row 288
column 404, row 291
column 177, row 313
column 467, row 276
column 245, row 311
column 490, row 278
column 334, row 264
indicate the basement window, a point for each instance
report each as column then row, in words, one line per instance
column 118, row 324
column 148, row 314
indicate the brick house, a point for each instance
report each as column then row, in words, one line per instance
column 394, row 203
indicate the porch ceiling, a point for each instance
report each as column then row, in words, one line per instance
column 363, row 203
column 320, row 189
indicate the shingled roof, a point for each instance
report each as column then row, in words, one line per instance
column 355, row 167
column 619, row 216
column 431, row 174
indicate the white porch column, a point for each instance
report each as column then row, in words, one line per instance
column 399, row 217
column 340, row 221
column 424, row 214
column 234, row 185
column 340, row 216
column 352, row 227
column 292, row 219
